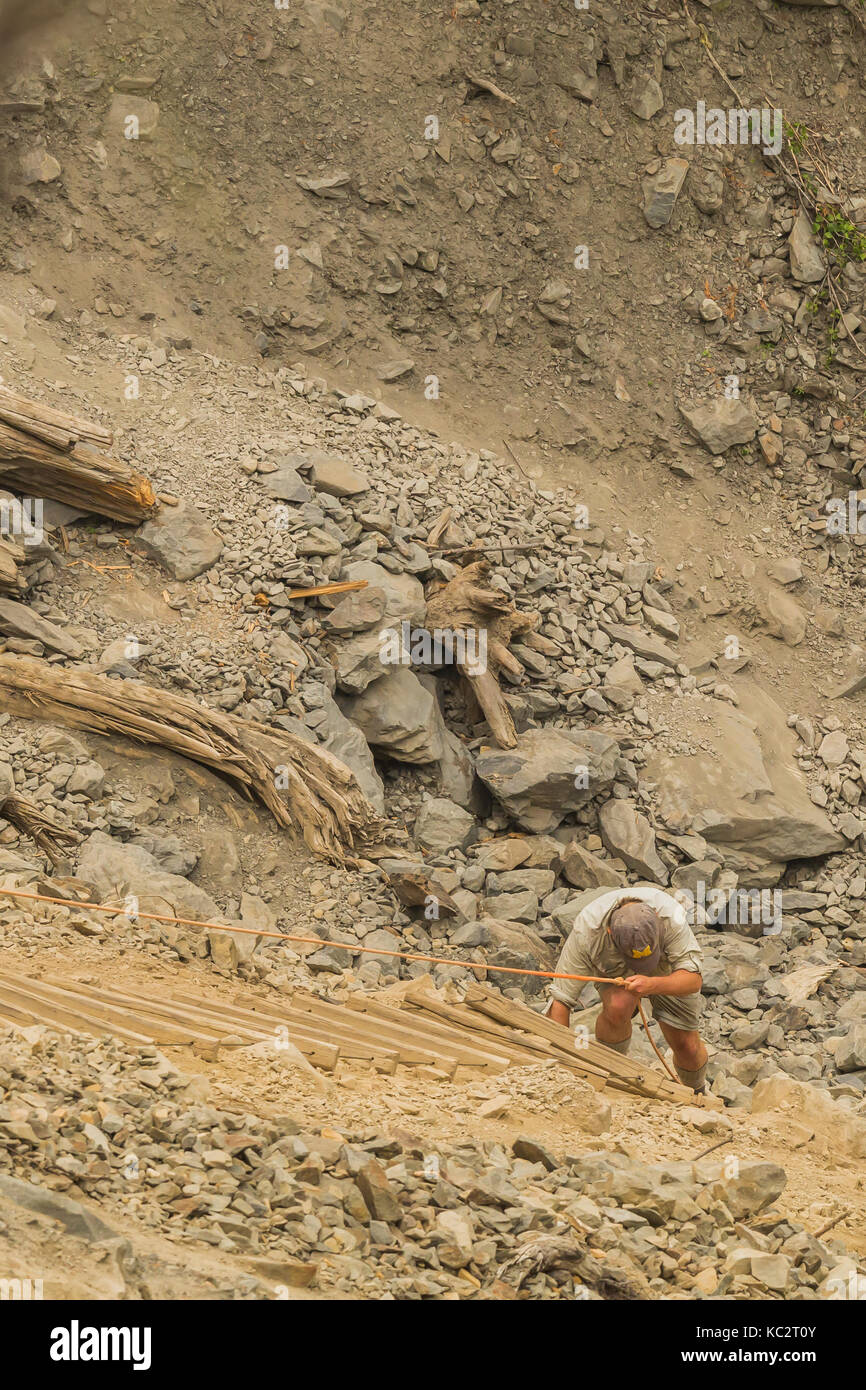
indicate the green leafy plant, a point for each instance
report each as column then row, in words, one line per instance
column 839, row 236
column 796, row 133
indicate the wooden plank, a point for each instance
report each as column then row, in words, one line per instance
column 263, row 1017
column 431, row 1051
column 596, row 1054
column 625, row 1069
column 113, row 1014
column 213, row 1028
column 49, row 1012
column 352, row 1042
column 15, row 1015
column 527, row 1046
column 642, row 1079
column 530, row 1047
column 513, row 1015
column 347, row 586
column 450, row 1040
column 131, row 1006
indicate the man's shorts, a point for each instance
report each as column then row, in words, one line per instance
column 676, row 1010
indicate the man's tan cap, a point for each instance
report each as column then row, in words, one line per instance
column 635, row 929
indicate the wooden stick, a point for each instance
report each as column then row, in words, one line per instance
column 484, row 546
column 828, row 1225
column 342, row 588
column 485, row 85
column 718, row 1144
column 643, row 1018
column 488, row 692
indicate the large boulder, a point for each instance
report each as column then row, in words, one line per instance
column 77, row 1219
column 807, row 260
column 739, row 786
column 517, row 937
column 358, row 611
column 287, row 485
column 399, row 716
column 660, row 192
column 813, row 1107
column 7, row 782
column 628, row 836
column 337, row 476
column 549, row 773
column 181, row 540
column 363, row 658
column 119, row 870
column 755, row 1186
column 781, row 614
column 17, row 620
column 851, row 1052
column 441, row 826
column 346, row 741
column 642, row 643
column 404, row 594
column 587, row 870
column 457, row 778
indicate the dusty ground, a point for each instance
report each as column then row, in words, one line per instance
column 176, row 239
column 541, row 1101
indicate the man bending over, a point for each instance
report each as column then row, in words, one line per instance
column 619, row 933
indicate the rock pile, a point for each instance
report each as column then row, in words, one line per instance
column 629, row 765
column 377, row 1215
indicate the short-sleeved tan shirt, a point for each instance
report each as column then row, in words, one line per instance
column 590, row 951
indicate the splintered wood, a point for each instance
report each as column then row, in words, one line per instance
column 416, row 1027
column 45, row 453
column 506, row 1022
column 304, row 787
column 11, row 556
column 467, row 605
column 31, row 820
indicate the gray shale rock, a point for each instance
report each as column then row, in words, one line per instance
column 628, row 835
column 549, row 773
column 181, row 540
column 720, row 424
column 399, row 716
column 441, row 825
column 17, row 620
column 661, row 190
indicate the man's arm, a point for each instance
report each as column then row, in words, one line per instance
column 679, row 982
column 573, row 960
column 559, row 1012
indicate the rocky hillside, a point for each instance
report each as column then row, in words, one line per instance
column 472, row 321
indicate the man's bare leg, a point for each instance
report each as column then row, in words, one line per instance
column 690, row 1054
column 613, row 1024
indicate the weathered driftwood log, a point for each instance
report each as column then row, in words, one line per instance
column 304, row 787
column 465, row 605
column 570, row 1254
column 46, row 453
column 32, row 821
column 11, row 556
column 80, row 477
column 52, row 426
